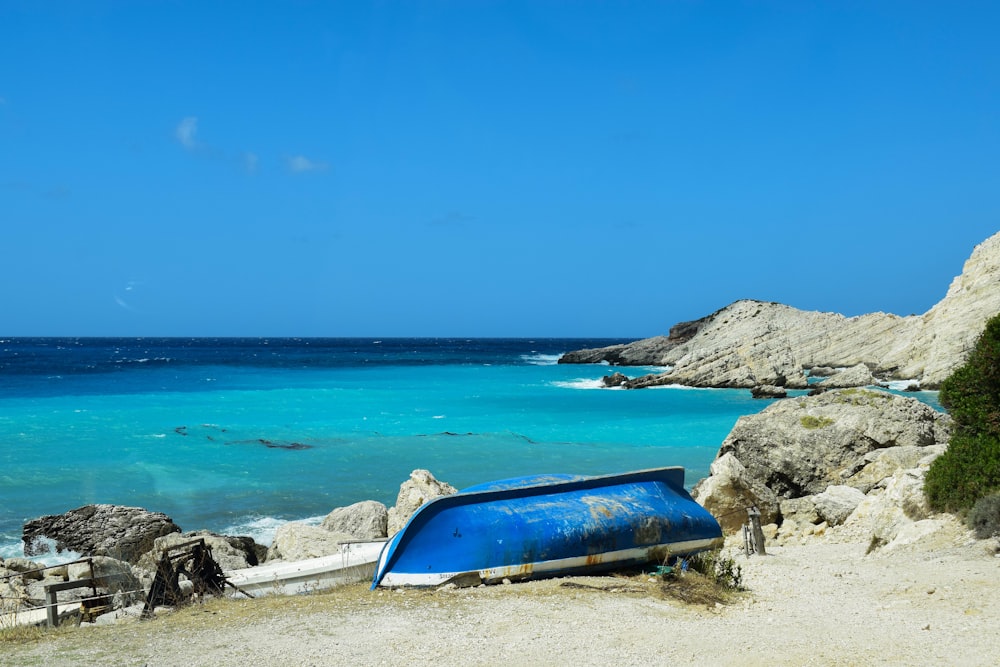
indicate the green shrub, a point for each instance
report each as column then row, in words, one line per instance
column 722, row 571
column 970, row 468
column 984, row 518
column 967, row 471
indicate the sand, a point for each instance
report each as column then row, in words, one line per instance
column 820, row 603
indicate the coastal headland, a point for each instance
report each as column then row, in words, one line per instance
column 754, row 343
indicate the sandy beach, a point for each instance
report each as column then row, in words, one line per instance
column 821, row 603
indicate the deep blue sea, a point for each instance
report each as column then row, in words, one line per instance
column 240, row 435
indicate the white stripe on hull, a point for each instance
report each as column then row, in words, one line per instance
column 544, row 568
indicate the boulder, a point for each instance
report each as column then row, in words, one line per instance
column 366, row 520
column 768, row 391
column 414, row 492
column 298, row 541
column 896, row 503
column 799, row 510
column 614, row 380
column 110, row 574
column 836, row 503
column 855, row 376
column 729, row 491
column 29, row 569
column 98, row 530
column 883, row 463
column 800, row 446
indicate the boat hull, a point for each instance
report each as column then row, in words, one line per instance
column 545, row 526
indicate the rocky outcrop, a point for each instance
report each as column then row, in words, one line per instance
column 367, row 520
column 122, row 532
column 752, row 343
column 855, row 376
column 298, row 541
column 768, row 391
column 414, row 492
column 851, row 457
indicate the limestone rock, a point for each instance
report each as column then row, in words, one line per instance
column 856, row 376
column 366, row 520
column 299, row 541
column 107, row 530
column 751, row 342
column 111, row 575
column 800, row 510
column 896, row 503
column 414, row 492
column 883, row 463
column 28, row 568
column 836, row 503
column 768, row 391
column 729, row 491
column 800, row 446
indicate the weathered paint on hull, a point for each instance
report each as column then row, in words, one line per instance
column 548, row 526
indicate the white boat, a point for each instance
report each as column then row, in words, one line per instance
column 355, row 563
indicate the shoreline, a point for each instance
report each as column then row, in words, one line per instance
column 823, row 601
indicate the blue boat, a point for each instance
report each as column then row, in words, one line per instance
column 547, row 525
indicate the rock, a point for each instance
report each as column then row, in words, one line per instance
column 806, row 463
column 614, row 380
column 822, row 371
column 366, row 520
column 414, row 492
column 800, row 446
column 13, row 593
column 768, row 391
column 299, row 541
column 729, row 491
column 98, row 530
column 230, row 552
column 896, row 503
column 836, row 503
column 111, row 576
column 28, row 568
column 883, row 463
column 751, row 342
column 855, row 376
column 800, row 510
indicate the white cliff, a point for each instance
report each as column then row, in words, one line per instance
column 751, row 343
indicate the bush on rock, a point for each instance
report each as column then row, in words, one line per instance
column 970, row 468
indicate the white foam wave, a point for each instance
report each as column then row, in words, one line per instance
column 901, row 385
column 581, row 383
column 541, row 359
column 15, row 549
column 263, row 528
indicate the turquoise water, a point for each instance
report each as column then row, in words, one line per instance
column 239, row 445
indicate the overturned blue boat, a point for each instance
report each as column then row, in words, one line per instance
column 548, row 525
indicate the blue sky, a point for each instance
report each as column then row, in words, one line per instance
column 486, row 168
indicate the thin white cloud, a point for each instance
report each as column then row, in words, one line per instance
column 186, row 131
column 301, row 163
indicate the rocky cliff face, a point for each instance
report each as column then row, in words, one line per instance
column 751, row 343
